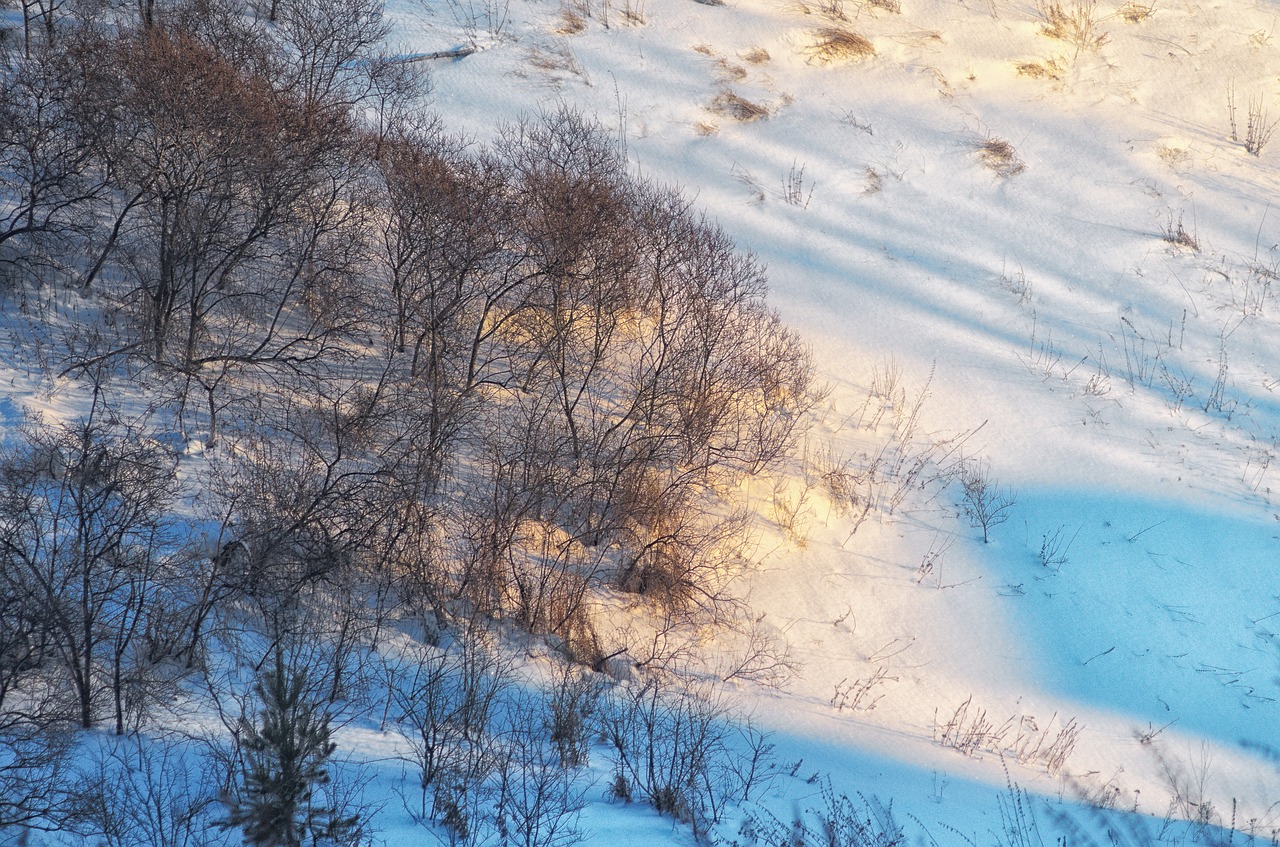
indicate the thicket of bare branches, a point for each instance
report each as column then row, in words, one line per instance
column 435, row 382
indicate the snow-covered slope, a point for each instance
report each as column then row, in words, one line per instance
column 1056, row 242
column 1029, row 248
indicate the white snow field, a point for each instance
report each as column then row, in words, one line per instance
column 1055, row 242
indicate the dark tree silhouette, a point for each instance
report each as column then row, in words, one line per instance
column 284, row 755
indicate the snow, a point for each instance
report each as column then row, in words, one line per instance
column 1122, row 385
column 1056, row 318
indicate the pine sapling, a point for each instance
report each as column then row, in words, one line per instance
column 284, row 753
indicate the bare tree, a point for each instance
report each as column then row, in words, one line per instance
column 658, row 370
column 83, row 536
column 37, row 782
column 237, row 225
column 331, row 61
column 440, row 247
column 49, row 128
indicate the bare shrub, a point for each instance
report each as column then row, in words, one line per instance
column 840, row 820
column 684, row 557
column 755, row 770
column 1054, row 547
column 1258, row 127
column 539, row 799
column 573, row 704
column 249, row 269
column 301, row 511
column 141, row 792
column 48, row 137
column 84, row 538
column 838, row 44
column 985, row 503
column 448, row 701
column 761, row 655
column 672, row 748
column 1178, row 235
column 860, row 694
column 38, row 784
column 649, row 372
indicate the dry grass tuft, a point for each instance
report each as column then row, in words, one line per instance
column 1076, row 24
column 704, row 49
column 833, row 9
column 756, row 56
column 548, row 59
column 752, row 184
column 571, row 23
column 1136, row 13
column 1000, row 156
column 556, row 58
column 737, row 107
column 892, row 6
column 633, row 13
column 729, row 72
column 1174, row 157
column 875, row 181
column 705, row 128
column 919, row 38
column 1048, row 69
column 835, row 44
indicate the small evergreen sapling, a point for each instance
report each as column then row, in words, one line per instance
column 284, row 756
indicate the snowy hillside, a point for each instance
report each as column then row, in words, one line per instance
column 1058, row 244
column 1029, row 541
